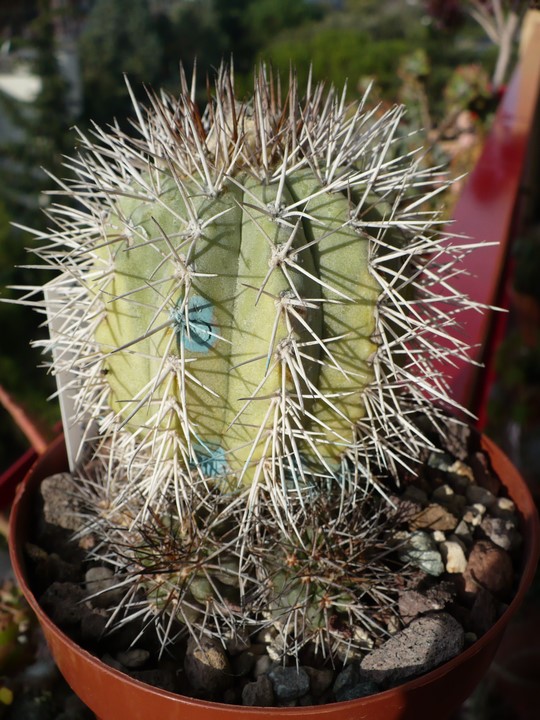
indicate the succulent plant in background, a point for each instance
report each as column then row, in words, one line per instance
column 253, row 308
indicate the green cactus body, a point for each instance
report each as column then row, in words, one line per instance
column 350, row 293
column 315, row 601
column 254, row 296
column 229, row 332
column 150, row 290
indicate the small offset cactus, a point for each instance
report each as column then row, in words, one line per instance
column 330, row 581
column 254, row 305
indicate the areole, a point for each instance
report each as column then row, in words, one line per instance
column 112, row 695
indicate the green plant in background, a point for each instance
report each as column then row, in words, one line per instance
column 15, row 620
column 499, row 19
column 253, row 308
column 118, row 36
column 467, row 88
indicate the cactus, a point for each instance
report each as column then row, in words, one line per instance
column 247, row 294
column 249, row 313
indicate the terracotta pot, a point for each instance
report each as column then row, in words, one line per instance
column 113, row 695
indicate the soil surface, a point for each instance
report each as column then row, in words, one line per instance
column 459, row 550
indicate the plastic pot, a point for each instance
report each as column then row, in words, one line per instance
column 115, row 696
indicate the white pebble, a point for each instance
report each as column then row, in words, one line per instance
column 474, row 513
column 453, row 556
column 262, row 665
column 503, row 507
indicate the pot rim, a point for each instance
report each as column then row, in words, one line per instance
column 530, row 528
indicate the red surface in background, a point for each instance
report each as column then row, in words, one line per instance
column 484, row 213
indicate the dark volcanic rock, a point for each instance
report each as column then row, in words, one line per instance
column 62, row 601
column 207, row 667
column 259, row 693
column 423, row 645
column 289, row 683
column 352, row 683
column 489, row 567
